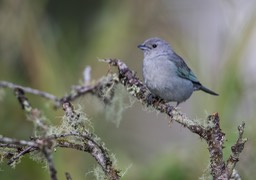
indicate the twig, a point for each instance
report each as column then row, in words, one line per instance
column 14, row 146
column 13, row 86
column 87, row 75
column 76, row 91
column 68, row 176
column 20, row 143
column 94, row 89
column 32, row 113
column 236, row 149
column 48, row 156
column 22, row 153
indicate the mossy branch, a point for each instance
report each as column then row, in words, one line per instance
column 73, row 134
column 44, row 142
column 76, row 90
column 211, row 132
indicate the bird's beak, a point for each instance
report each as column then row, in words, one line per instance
column 142, row 47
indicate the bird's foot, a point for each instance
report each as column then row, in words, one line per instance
column 177, row 104
column 151, row 99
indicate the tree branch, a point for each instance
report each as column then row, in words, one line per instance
column 76, row 90
column 48, row 156
column 211, row 132
column 5, row 84
column 44, row 141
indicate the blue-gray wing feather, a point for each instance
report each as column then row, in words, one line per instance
column 185, row 72
column 182, row 69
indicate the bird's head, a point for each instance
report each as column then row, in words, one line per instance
column 155, row 46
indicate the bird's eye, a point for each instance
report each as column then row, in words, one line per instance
column 154, row 45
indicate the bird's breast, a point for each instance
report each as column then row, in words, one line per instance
column 158, row 70
column 160, row 76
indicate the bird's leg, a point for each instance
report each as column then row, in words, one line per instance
column 160, row 100
column 177, row 104
column 150, row 99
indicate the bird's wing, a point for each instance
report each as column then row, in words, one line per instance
column 183, row 70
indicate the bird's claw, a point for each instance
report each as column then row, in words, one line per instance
column 151, row 99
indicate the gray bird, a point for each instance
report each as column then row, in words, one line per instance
column 166, row 74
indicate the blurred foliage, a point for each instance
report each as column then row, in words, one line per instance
column 46, row 45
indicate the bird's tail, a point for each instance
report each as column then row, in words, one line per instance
column 208, row 91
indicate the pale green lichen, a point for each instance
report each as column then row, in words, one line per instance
column 76, row 121
column 5, row 152
column 126, row 170
column 38, row 157
column 119, row 103
column 98, row 173
column 133, row 90
column 206, row 174
column 114, row 159
column 115, row 77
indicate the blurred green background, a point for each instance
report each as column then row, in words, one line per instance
column 46, row 45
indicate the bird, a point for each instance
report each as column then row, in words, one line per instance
column 166, row 74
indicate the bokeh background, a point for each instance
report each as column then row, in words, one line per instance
column 46, row 44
